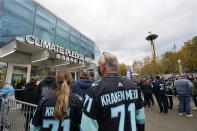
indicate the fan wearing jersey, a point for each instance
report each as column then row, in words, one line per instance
column 60, row 110
column 161, row 95
column 114, row 103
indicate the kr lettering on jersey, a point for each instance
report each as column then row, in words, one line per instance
column 49, row 111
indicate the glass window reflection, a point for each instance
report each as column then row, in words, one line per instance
column 25, row 17
column 45, row 25
column 62, row 34
column 14, row 23
column 75, row 33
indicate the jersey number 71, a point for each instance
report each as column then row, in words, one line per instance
column 121, row 109
column 55, row 124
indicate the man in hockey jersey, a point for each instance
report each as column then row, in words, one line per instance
column 114, row 103
column 161, row 95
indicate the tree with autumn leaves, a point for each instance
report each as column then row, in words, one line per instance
column 122, row 69
column 168, row 63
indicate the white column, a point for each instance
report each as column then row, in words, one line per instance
column 75, row 76
column 9, row 73
column 28, row 73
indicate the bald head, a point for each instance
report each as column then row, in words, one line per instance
column 182, row 75
column 177, row 77
column 110, row 60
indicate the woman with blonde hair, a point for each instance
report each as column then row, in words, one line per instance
column 59, row 111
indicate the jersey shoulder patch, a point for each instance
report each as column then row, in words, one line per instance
column 79, row 97
column 96, row 83
column 120, row 84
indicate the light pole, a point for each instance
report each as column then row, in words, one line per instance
column 180, row 67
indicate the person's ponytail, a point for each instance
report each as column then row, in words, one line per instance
column 62, row 102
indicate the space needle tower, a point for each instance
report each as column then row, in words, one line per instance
column 151, row 37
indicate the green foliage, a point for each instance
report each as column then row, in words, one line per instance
column 169, row 62
column 122, row 68
column 189, row 55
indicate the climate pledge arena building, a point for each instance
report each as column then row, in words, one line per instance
column 33, row 40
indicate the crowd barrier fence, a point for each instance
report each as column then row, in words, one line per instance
column 15, row 115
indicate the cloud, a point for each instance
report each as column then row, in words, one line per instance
column 120, row 26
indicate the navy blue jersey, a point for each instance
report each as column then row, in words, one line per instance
column 44, row 118
column 160, row 87
column 112, row 104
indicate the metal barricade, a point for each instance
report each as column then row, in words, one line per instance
column 15, row 115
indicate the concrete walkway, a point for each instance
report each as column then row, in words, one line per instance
column 170, row 122
column 154, row 120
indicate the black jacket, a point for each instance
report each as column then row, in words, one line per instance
column 48, row 84
column 29, row 94
column 146, row 89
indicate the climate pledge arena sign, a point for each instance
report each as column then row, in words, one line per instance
column 61, row 53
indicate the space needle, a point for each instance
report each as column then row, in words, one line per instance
column 151, row 37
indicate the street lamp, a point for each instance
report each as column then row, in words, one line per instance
column 180, row 67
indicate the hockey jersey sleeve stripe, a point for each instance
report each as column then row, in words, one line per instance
column 34, row 128
column 88, row 124
column 140, row 116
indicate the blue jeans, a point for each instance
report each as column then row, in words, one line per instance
column 184, row 100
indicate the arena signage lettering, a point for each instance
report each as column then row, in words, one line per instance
column 61, row 53
column 115, row 97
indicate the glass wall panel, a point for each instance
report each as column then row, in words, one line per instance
column 74, row 44
column 74, row 40
column 89, row 47
column 85, row 39
column 83, row 44
column 91, row 43
column 83, row 51
column 16, row 20
column 75, row 33
column 74, row 47
column 45, row 25
column 62, row 34
column 0, row 7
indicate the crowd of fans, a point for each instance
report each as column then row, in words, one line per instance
column 60, row 100
column 163, row 89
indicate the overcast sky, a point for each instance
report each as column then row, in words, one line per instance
column 120, row 26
